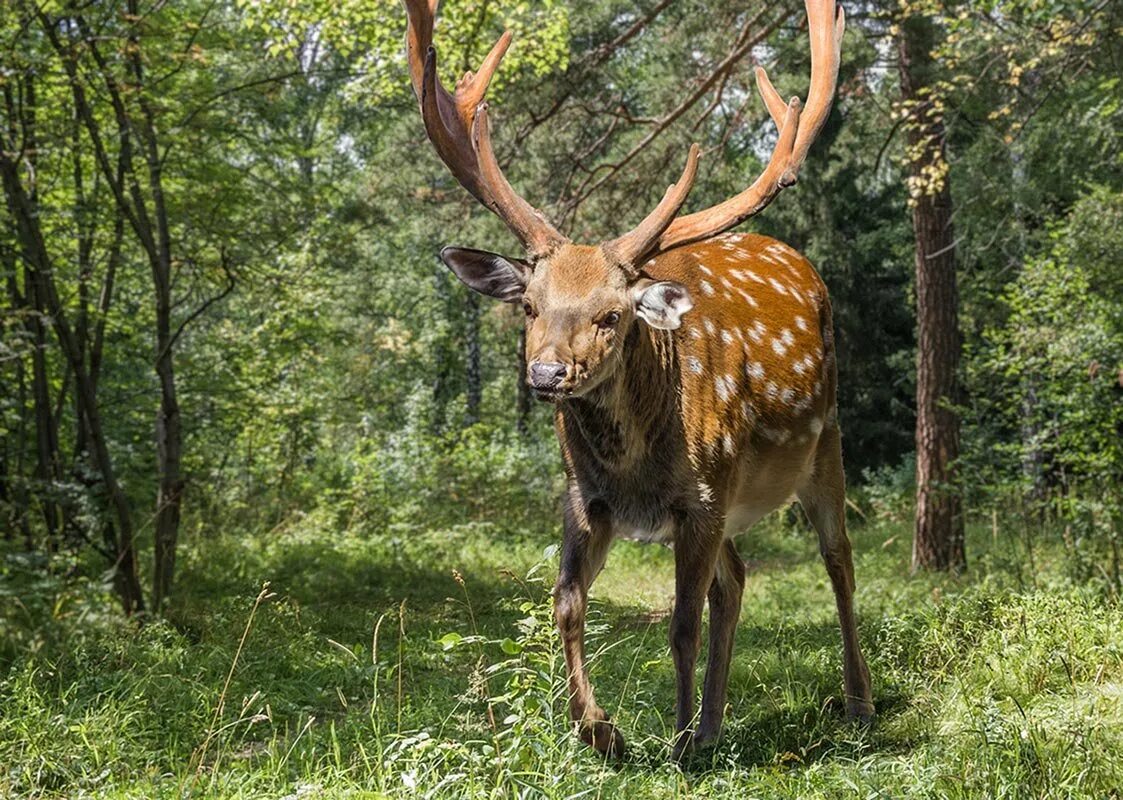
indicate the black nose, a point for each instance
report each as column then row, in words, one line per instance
column 546, row 375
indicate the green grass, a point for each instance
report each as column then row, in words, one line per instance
column 369, row 669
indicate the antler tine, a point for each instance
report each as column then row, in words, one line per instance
column 825, row 25
column 471, row 89
column 527, row 222
column 798, row 126
column 419, row 37
column 441, row 119
column 628, row 250
column 461, row 139
column 777, row 108
column 732, row 212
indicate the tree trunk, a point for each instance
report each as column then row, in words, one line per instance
column 16, row 491
column 938, row 538
column 473, row 374
column 522, row 390
column 46, row 435
column 40, row 272
column 442, row 351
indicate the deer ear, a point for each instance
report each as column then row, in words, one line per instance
column 488, row 273
column 661, row 304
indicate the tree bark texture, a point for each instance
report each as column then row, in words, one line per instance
column 938, row 537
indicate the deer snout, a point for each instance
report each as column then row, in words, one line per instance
column 546, row 375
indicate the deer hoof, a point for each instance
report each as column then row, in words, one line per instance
column 706, row 740
column 603, row 737
column 861, row 711
column 683, row 747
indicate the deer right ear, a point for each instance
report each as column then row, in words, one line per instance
column 488, row 273
column 661, row 304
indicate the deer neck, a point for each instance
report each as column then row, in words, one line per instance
column 619, row 421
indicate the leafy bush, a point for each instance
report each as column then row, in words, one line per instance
column 1046, row 416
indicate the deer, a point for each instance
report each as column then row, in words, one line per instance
column 693, row 376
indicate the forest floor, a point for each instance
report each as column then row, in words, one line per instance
column 424, row 664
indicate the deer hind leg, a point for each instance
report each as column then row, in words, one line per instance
column 824, row 501
column 725, row 608
column 586, row 540
column 696, row 553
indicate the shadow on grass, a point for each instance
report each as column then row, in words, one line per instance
column 786, row 710
column 785, row 707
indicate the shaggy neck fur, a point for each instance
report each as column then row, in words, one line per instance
column 618, row 422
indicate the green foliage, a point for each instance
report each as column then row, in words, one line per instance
column 1051, row 369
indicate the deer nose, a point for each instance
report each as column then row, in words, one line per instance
column 546, row 375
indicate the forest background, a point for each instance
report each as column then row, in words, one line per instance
column 229, row 355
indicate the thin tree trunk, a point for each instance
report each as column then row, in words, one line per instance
column 442, row 355
column 522, row 390
column 938, row 538
column 473, row 374
column 36, row 257
column 169, row 425
column 47, row 468
column 46, row 435
column 17, row 483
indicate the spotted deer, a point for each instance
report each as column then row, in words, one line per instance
column 692, row 372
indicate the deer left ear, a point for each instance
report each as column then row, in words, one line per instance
column 661, row 304
column 488, row 273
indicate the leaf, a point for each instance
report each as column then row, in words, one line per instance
column 450, row 640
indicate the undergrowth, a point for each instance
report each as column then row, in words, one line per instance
column 303, row 663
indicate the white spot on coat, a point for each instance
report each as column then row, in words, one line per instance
column 724, row 385
column 706, row 287
column 694, row 365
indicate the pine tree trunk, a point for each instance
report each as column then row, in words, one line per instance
column 938, row 538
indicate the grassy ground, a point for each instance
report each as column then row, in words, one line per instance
column 424, row 665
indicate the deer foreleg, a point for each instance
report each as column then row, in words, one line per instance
column 725, row 608
column 585, row 544
column 697, row 544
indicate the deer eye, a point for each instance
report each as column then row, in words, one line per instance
column 609, row 320
column 529, row 309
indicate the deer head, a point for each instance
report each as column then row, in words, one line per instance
column 582, row 301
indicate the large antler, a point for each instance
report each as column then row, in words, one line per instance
column 798, row 129
column 457, row 125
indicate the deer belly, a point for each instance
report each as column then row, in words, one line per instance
column 740, row 518
column 662, row 533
